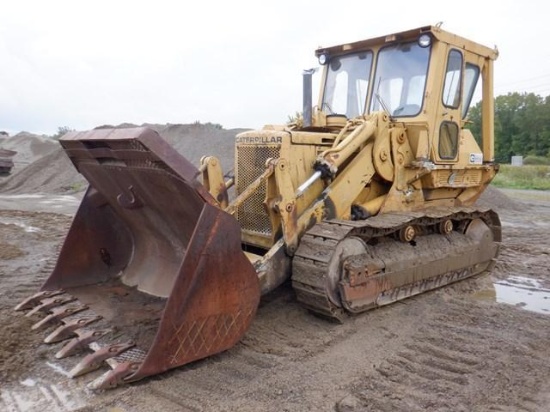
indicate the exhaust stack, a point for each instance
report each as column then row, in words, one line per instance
column 307, row 97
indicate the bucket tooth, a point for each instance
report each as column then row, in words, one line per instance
column 94, row 360
column 51, row 303
column 84, row 338
column 68, row 329
column 147, row 250
column 33, row 300
column 115, row 377
column 56, row 315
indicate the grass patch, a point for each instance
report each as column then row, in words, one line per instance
column 536, row 160
column 523, row 177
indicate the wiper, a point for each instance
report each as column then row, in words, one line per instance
column 384, row 105
column 381, row 100
column 325, row 104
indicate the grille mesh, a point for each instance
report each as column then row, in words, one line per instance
column 467, row 178
column 150, row 162
column 251, row 164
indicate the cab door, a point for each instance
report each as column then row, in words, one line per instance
column 449, row 128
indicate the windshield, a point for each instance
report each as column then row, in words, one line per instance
column 347, row 84
column 400, row 79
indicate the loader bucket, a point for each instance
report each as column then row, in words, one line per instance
column 155, row 266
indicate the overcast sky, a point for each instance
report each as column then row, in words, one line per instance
column 237, row 63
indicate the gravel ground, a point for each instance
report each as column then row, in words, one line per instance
column 459, row 348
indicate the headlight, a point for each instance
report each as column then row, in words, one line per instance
column 425, row 40
column 323, row 59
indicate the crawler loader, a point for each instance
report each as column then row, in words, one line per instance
column 366, row 199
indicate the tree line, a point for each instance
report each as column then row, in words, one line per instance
column 522, row 125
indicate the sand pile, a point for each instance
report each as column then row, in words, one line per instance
column 29, row 147
column 495, row 199
column 196, row 140
column 54, row 173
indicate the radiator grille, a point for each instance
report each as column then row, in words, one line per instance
column 251, row 164
column 462, row 179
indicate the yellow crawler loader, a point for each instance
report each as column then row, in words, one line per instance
column 365, row 200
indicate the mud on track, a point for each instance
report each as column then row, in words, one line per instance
column 454, row 349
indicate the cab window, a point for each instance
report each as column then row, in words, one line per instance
column 400, row 79
column 347, row 84
column 448, row 140
column 471, row 76
column 453, row 80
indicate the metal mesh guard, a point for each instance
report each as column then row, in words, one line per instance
column 251, row 164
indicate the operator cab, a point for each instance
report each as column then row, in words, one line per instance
column 425, row 77
column 391, row 74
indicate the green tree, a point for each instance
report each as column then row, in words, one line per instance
column 522, row 125
column 474, row 118
column 61, row 131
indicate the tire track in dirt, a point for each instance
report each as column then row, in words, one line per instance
column 203, row 386
column 468, row 357
column 440, row 351
column 271, row 368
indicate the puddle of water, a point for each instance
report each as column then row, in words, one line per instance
column 41, row 202
column 31, row 196
column 26, row 228
column 523, row 292
column 63, row 199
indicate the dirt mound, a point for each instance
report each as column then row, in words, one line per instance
column 29, row 147
column 196, row 140
column 495, row 199
column 54, row 173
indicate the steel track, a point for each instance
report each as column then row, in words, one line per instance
column 319, row 244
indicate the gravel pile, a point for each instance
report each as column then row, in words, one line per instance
column 29, row 147
column 50, row 170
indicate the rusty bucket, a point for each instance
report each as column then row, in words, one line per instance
column 151, row 275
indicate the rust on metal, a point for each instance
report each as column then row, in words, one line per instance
column 94, row 360
column 81, row 341
column 33, row 300
column 149, row 251
column 391, row 266
column 50, row 303
column 68, row 329
column 56, row 315
column 115, row 377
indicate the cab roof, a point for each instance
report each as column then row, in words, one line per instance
column 411, row 35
